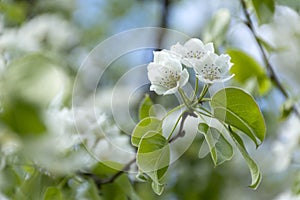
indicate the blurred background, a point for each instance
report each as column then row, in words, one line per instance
column 49, row 130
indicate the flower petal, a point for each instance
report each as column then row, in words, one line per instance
column 209, row 47
column 172, row 90
column 184, row 77
column 164, row 55
column 194, row 44
column 224, row 78
column 160, row 90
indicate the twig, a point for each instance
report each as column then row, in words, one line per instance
column 99, row 181
column 181, row 132
column 274, row 78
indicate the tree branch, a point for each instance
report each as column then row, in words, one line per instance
column 274, row 78
column 99, row 181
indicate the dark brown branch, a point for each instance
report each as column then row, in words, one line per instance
column 99, row 181
column 274, row 78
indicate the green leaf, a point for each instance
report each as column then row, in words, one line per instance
column 141, row 176
column 254, row 169
column 217, row 27
column 23, row 118
column 157, row 188
column 153, row 157
column 144, row 126
column 92, row 192
column 112, row 191
column 121, row 188
column 220, row 149
column 245, row 68
column 53, row 193
column 237, row 108
column 15, row 12
column 264, row 10
column 287, row 107
column 145, row 108
column 34, row 186
column 124, row 183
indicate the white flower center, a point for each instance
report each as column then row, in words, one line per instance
column 211, row 72
column 194, row 54
column 169, row 79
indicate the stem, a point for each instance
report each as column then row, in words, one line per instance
column 205, row 114
column 274, row 78
column 196, row 89
column 205, row 99
column 184, row 98
column 201, row 96
column 174, row 127
column 181, row 132
column 171, row 111
column 203, row 92
column 207, row 111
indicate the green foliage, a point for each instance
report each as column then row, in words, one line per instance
column 145, row 108
column 153, row 158
column 121, row 188
column 254, row 169
column 106, row 168
column 53, row 193
column 287, row 107
column 220, row 149
column 34, row 187
column 246, row 68
column 15, row 12
column 237, row 108
column 264, row 10
column 144, row 126
column 23, row 118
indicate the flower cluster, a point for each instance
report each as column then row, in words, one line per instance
column 167, row 74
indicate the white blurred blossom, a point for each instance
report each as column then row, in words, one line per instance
column 285, row 148
column 283, row 33
column 44, row 31
column 3, row 197
column 166, row 74
column 287, row 195
column 101, row 137
column 60, row 151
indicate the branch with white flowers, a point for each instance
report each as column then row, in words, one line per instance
column 274, row 78
column 168, row 74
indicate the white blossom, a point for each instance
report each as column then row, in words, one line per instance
column 166, row 73
column 60, row 151
column 286, row 147
column 213, row 68
column 287, row 195
column 192, row 51
column 283, row 35
column 48, row 30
